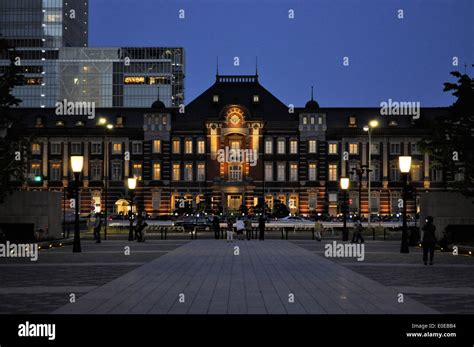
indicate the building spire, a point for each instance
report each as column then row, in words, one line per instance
column 256, row 66
column 217, row 66
column 312, row 93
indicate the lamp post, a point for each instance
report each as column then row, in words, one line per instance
column 77, row 163
column 344, row 187
column 132, row 184
column 360, row 173
column 372, row 124
column 405, row 165
column 103, row 122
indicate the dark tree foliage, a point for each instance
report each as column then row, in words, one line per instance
column 14, row 149
column 450, row 142
column 280, row 210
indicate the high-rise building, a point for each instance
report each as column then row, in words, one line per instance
column 51, row 39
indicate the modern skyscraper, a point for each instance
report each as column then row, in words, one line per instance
column 51, row 39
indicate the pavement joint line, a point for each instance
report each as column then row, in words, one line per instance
column 46, row 289
column 73, row 264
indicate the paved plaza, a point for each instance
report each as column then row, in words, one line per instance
column 213, row 277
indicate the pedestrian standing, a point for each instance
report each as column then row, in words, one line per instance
column 240, row 227
column 318, row 227
column 216, row 227
column 248, row 228
column 230, row 231
column 428, row 240
column 261, row 228
column 97, row 227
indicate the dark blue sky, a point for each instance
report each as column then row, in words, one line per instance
column 402, row 59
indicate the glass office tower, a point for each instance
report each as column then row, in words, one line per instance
column 37, row 29
column 122, row 77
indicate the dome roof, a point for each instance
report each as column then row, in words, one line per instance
column 312, row 104
column 158, row 105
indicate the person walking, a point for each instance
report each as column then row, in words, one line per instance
column 428, row 240
column 357, row 231
column 318, row 227
column 261, row 228
column 248, row 228
column 141, row 225
column 230, row 231
column 216, row 226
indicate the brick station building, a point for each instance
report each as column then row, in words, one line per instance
column 174, row 153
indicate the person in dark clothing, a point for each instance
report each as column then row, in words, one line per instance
column 429, row 240
column 139, row 228
column 97, row 228
column 216, row 226
column 261, row 228
column 357, row 231
column 248, row 228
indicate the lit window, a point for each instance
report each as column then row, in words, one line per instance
column 312, row 146
column 268, row 146
column 312, row 201
column 312, row 120
column 137, row 171
column 35, row 169
column 176, row 174
column 416, row 171
column 353, row 148
column 332, row 172
column 305, row 120
column 352, row 122
column 157, row 171
column 256, row 98
column 268, row 172
column 116, row 148
column 293, row 147
column 35, row 148
column 188, row 172
column 215, row 98
column 332, row 148
column 55, row 172
column 188, row 146
column 176, row 146
column 281, row 146
column 294, row 172
column 281, row 172
column 156, row 146
column 312, row 172
column 201, row 147
column 201, row 172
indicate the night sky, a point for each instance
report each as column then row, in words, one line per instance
column 389, row 58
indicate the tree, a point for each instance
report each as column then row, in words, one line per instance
column 451, row 136
column 280, row 209
column 14, row 149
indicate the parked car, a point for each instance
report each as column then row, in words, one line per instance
column 294, row 220
column 191, row 221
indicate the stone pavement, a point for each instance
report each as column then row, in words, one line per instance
column 44, row 286
column 447, row 286
column 205, row 276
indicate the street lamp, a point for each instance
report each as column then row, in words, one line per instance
column 103, row 122
column 132, row 184
column 344, row 187
column 77, row 163
column 405, row 166
column 368, row 128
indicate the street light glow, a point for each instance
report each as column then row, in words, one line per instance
column 110, row 126
column 132, row 183
column 102, row 120
column 404, row 163
column 344, row 183
column 366, row 128
column 374, row 123
column 77, row 163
